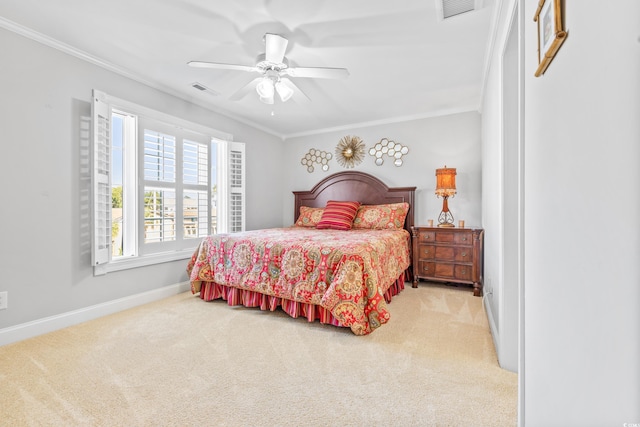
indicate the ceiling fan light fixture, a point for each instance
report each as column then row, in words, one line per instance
column 267, row 100
column 265, row 88
column 284, row 91
column 274, row 68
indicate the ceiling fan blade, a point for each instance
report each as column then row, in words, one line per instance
column 318, row 73
column 243, row 91
column 275, row 47
column 298, row 95
column 221, row 66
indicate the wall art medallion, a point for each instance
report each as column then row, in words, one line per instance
column 350, row 151
column 318, row 157
column 388, row 148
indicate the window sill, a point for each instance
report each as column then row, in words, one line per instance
column 141, row 261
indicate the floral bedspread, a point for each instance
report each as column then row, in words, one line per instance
column 346, row 272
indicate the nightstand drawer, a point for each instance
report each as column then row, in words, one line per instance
column 426, row 268
column 463, row 254
column 464, row 238
column 462, row 272
column 426, row 236
column 426, row 252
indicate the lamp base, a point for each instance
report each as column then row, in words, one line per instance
column 445, row 219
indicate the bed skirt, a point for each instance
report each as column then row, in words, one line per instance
column 234, row 296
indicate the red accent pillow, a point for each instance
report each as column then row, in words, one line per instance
column 338, row 215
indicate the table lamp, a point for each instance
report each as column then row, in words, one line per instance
column 445, row 188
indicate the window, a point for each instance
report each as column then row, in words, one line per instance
column 160, row 184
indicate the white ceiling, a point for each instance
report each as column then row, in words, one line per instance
column 403, row 61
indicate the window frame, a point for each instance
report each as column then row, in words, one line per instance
column 103, row 107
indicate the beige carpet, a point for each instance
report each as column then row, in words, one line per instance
column 186, row 362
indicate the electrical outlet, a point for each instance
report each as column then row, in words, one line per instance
column 488, row 287
column 3, row 300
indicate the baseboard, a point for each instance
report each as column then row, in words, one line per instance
column 53, row 323
column 492, row 326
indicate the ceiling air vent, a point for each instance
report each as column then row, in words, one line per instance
column 203, row 88
column 449, row 8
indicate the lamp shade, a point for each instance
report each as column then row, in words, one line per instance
column 265, row 88
column 446, row 182
column 284, row 91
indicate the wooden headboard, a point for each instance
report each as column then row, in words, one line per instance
column 356, row 186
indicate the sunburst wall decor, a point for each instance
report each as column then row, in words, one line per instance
column 350, row 151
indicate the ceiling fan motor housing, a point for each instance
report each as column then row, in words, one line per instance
column 263, row 65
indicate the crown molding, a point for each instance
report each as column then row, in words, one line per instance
column 392, row 120
column 70, row 50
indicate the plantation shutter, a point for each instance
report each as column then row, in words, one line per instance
column 160, row 191
column 230, row 209
column 236, row 187
column 101, row 179
column 195, row 170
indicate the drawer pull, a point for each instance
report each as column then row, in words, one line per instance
column 464, row 239
column 426, row 268
column 463, row 271
column 464, row 254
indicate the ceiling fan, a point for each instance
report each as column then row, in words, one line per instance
column 274, row 72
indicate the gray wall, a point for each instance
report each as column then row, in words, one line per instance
column 453, row 140
column 45, row 100
column 580, row 318
column 582, row 204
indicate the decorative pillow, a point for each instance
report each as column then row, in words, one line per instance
column 338, row 215
column 309, row 217
column 381, row 216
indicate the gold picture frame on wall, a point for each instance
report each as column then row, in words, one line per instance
column 551, row 35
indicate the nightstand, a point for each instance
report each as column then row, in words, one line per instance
column 448, row 255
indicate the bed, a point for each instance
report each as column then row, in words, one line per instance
column 340, row 263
